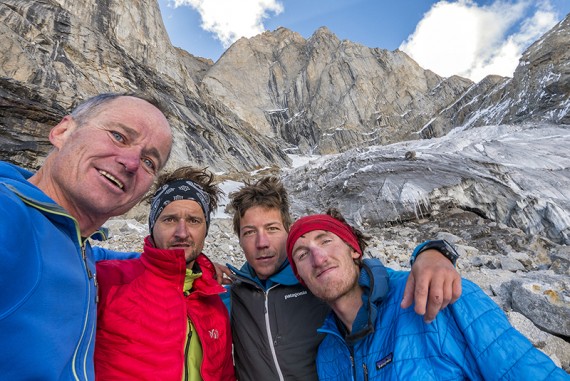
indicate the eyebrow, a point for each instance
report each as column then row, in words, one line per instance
column 320, row 235
column 184, row 215
column 273, row 223
column 325, row 233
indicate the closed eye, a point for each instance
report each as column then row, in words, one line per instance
column 300, row 254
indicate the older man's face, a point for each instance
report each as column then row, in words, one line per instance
column 104, row 167
column 326, row 264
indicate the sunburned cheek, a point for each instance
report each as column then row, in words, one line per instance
column 143, row 185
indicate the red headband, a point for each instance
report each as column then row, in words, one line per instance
column 319, row 222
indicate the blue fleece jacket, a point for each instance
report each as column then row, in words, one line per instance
column 48, row 292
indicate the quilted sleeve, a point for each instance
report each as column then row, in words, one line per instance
column 499, row 350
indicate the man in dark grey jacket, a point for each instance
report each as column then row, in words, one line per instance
column 274, row 318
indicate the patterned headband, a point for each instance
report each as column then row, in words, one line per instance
column 178, row 190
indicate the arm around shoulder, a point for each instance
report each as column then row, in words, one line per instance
column 102, row 254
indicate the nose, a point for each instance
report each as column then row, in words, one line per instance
column 262, row 241
column 130, row 159
column 181, row 231
column 318, row 257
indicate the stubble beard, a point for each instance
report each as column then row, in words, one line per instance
column 336, row 290
column 193, row 254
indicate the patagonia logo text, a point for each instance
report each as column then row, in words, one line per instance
column 385, row 361
column 295, row 295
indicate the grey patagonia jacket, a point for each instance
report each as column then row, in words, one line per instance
column 274, row 326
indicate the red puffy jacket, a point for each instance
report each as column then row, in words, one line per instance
column 142, row 319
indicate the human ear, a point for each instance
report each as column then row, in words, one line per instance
column 58, row 134
column 354, row 254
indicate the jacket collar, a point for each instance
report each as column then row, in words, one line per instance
column 373, row 280
column 171, row 265
column 166, row 263
column 16, row 179
column 283, row 276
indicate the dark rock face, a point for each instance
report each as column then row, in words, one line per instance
column 56, row 53
column 323, row 95
column 29, row 112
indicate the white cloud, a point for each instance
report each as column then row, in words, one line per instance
column 230, row 20
column 473, row 41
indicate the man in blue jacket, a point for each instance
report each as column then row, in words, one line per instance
column 106, row 156
column 368, row 335
column 275, row 318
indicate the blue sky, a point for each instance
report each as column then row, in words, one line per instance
column 464, row 37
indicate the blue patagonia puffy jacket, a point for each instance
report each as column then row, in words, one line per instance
column 470, row 339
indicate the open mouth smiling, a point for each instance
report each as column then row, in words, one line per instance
column 112, row 179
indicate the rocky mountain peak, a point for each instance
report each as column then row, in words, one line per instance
column 324, row 35
column 538, row 90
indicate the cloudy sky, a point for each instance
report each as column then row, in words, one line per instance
column 470, row 38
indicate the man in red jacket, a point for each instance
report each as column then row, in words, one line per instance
column 160, row 316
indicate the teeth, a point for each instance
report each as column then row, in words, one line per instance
column 112, row 178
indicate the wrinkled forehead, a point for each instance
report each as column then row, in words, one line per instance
column 261, row 215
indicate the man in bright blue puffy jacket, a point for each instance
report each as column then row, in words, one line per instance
column 368, row 335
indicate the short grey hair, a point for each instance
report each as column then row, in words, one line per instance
column 86, row 109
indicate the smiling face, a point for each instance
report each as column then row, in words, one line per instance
column 181, row 225
column 326, row 264
column 263, row 239
column 103, row 167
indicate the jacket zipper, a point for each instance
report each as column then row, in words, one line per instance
column 186, row 351
column 90, row 276
column 84, row 256
column 352, row 364
column 269, row 337
column 365, row 368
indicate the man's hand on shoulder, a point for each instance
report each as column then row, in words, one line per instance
column 222, row 274
column 432, row 284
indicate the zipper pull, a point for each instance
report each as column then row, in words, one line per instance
column 84, row 255
column 96, row 289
